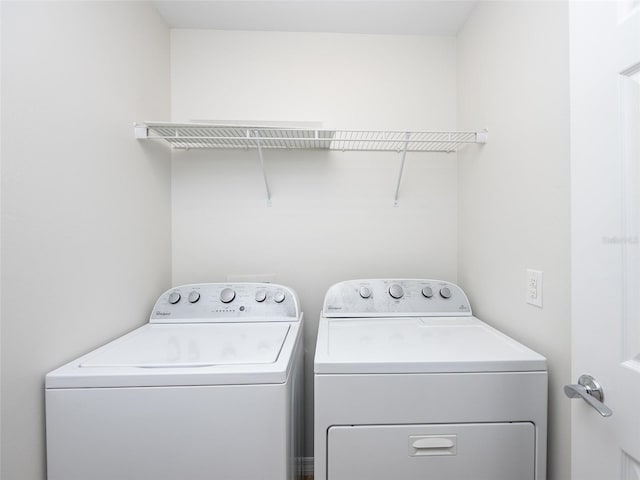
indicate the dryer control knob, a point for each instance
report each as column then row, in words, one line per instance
column 261, row 296
column 427, row 292
column 227, row 295
column 174, row 297
column 279, row 296
column 445, row 292
column 365, row 292
column 194, row 296
column 396, row 291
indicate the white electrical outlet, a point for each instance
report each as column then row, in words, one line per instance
column 534, row 288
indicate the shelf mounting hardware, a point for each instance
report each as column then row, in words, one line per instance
column 140, row 131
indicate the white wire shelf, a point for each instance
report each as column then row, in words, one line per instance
column 188, row 136
column 201, row 136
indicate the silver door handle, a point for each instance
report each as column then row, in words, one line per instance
column 591, row 391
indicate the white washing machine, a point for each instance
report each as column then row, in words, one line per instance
column 210, row 388
column 410, row 385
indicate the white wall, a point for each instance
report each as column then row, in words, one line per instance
column 513, row 71
column 332, row 216
column 1, row 37
column 85, row 207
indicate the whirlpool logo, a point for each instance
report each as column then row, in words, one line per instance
column 162, row 314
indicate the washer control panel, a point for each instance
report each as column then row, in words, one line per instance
column 395, row 298
column 226, row 302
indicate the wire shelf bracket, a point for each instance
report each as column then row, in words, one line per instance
column 188, row 136
column 264, row 172
column 404, row 156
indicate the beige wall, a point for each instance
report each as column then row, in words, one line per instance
column 332, row 216
column 513, row 71
column 85, row 207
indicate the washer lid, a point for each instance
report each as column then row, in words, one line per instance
column 186, row 354
column 202, row 345
column 419, row 345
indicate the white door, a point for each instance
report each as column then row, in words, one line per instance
column 605, row 163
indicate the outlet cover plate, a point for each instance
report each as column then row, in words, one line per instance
column 534, row 288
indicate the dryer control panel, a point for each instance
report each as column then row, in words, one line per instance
column 226, row 302
column 395, row 298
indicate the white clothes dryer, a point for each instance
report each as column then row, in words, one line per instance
column 210, row 388
column 409, row 384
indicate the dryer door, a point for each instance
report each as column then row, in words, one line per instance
column 483, row 451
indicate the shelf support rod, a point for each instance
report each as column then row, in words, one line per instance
column 404, row 156
column 264, row 171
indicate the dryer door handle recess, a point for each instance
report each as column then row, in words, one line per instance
column 590, row 391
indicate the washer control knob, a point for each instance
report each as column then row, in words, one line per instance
column 365, row 292
column 227, row 295
column 445, row 292
column 261, row 296
column 427, row 292
column 194, row 296
column 174, row 297
column 396, row 291
column 279, row 296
